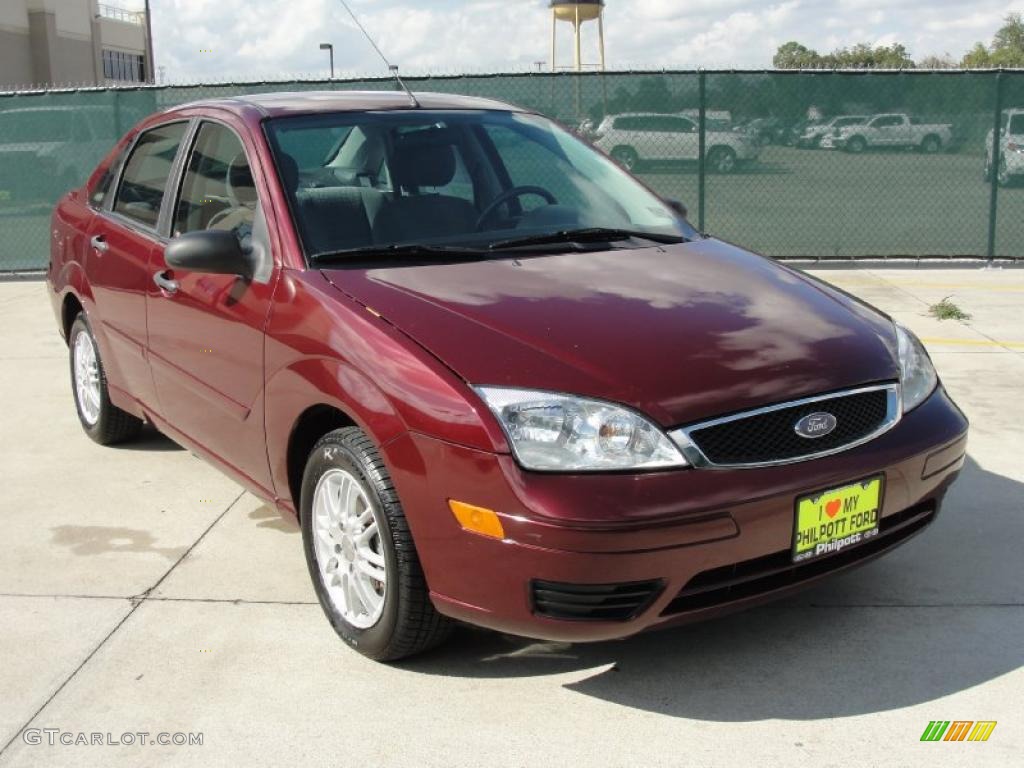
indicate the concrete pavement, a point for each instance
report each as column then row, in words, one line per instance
column 142, row 591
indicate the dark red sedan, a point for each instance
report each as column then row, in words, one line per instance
column 496, row 378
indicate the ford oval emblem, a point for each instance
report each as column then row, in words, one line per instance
column 815, row 425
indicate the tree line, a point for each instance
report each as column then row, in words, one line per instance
column 1005, row 50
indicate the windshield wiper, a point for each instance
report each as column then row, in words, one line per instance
column 585, row 235
column 410, row 250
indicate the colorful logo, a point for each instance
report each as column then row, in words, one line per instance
column 958, row 730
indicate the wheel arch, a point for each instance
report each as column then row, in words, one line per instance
column 310, row 398
column 70, row 308
column 311, row 425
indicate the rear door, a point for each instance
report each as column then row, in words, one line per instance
column 206, row 331
column 682, row 137
column 890, row 130
column 122, row 240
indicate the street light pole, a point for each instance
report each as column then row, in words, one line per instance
column 330, row 48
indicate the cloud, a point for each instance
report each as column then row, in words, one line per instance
column 216, row 40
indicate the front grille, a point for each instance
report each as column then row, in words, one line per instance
column 750, row 578
column 768, row 435
column 593, row 602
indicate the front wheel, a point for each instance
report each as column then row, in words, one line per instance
column 856, row 145
column 722, row 160
column 360, row 552
column 1003, row 177
column 626, row 157
column 103, row 421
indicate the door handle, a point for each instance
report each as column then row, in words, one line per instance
column 99, row 244
column 164, row 283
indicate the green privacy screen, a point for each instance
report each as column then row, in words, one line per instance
column 820, row 165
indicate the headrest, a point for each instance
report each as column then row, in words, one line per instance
column 240, row 180
column 427, row 161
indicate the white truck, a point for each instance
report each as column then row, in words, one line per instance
column 894, row 130
column 641, row 136
column 1011, row 148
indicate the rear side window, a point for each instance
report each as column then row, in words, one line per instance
column 99, row 191
column 144, row 180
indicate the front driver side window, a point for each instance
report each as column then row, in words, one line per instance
column 141, row 191
column 218, row 191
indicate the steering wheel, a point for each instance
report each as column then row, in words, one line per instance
column 512, row 194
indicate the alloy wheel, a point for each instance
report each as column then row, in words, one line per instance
column 87, row 379
column 348, row 549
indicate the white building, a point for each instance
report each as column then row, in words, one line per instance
column 79, row 42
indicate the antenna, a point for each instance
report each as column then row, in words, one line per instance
column 392, row 68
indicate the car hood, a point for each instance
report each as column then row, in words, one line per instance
column 680, row 332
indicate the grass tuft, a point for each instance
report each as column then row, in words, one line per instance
column 947, row 310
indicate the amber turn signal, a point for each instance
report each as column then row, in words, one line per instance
column 477, row 519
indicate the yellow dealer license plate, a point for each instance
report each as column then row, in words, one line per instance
column 833, row 520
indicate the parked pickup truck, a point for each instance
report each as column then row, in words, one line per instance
column 813, row 133
column 1011, row 148
column 893, row 130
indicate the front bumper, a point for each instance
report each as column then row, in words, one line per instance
column 709, row 541
column 1014, row 162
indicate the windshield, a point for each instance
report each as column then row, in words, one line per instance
column 452, row 179
column 840, row 122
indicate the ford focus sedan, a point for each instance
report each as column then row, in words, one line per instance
column 495, row 377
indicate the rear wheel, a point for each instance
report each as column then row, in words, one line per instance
column 930, row 145
column 722, row 160
column 360, row 552
column 103, row 421
column 626, row 157
column 856, row 145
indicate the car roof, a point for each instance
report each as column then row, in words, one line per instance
column 314, row 102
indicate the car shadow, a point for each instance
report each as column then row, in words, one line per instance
column 149, row 439
column 935, row 617
column 756, row 168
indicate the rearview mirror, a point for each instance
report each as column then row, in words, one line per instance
column 212, row 250
column 677, row 206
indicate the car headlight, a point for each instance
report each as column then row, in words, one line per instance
column 917, row 374
column 554, row 432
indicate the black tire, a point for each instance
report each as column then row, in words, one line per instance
column 856, row 145
column 112, row 424
column 409, row 623
column 1003, row 178
column 721, row 160
column 627, row 157
column 930, row 145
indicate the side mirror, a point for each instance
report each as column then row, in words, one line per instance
column 677, row 206
column 212, row 250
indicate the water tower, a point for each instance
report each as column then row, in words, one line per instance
column 577, row 14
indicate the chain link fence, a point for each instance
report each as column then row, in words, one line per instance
column 812, row 164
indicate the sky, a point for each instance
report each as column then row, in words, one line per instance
column 217, row 40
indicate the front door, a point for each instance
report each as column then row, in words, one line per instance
column 206, row 331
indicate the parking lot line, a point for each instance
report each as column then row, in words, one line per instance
column 976, row 342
